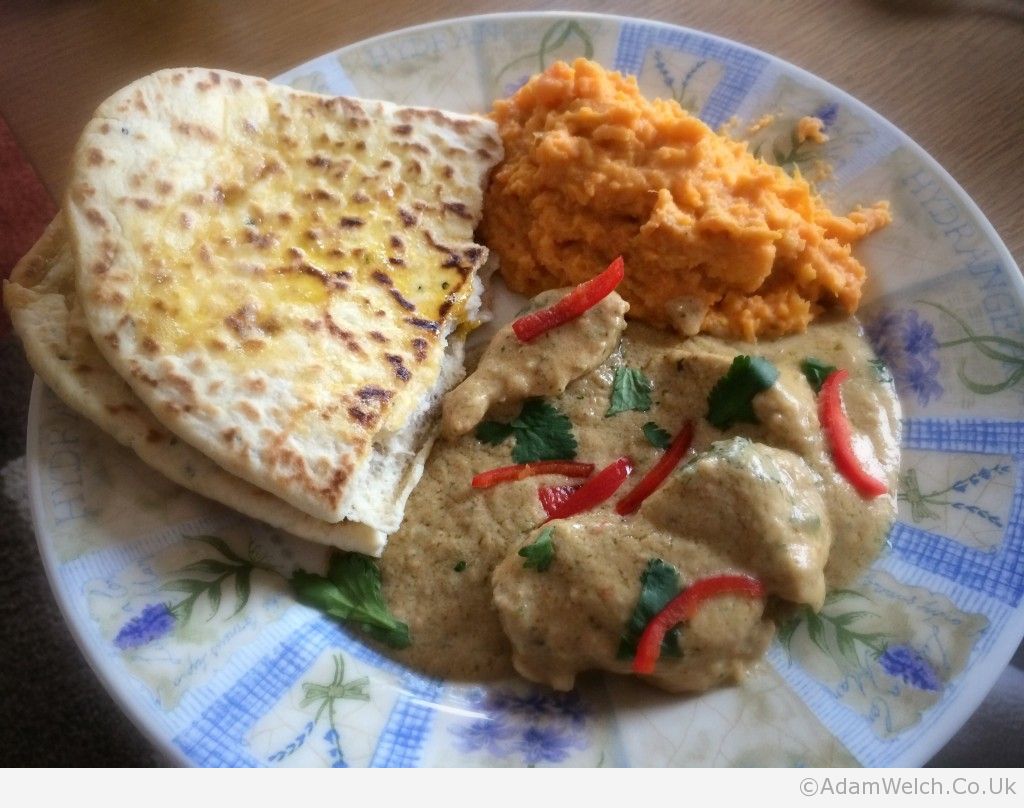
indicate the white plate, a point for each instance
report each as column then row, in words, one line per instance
column 271, row 682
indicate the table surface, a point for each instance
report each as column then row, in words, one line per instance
column 947, row 72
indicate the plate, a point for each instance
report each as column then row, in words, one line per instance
column 244, row 676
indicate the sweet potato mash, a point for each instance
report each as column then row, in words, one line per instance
column 715, row 239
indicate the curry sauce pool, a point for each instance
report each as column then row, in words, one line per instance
column 764, row 498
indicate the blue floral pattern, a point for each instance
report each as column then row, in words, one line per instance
column 921, row 502
column 835, row 633
column 908, row 665
column 333, row 740
column 906, row 343
column 292, row 747
column 491, row 733
column 887, row 650
column 155, row 621
column 544, row 745
column 326, row 697
column 827, row 114
column 537, row 727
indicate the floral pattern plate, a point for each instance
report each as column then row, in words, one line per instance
column 182, row 607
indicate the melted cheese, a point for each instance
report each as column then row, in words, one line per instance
column 336, row 225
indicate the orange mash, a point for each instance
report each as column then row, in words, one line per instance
column 715, row 239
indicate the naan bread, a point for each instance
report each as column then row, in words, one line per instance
column 276, row 274
column 46, row 315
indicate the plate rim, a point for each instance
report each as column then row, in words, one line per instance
column 118, row 683
column 115, row 682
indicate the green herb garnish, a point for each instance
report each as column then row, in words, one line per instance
column 459, row 566
column 631, row 390
column 816, row 372
column 541, row 432
column 656, row 436
column 659, row 583
column 351, row 592
column 493, row 432
column 731, row 399
column 541, row 553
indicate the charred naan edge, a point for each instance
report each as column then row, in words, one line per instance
column 276, row 274
column 40, row 298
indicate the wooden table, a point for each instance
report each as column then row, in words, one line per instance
column 948, row 72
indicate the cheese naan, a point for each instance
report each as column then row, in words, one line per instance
column 41, row 300
column 277, row 274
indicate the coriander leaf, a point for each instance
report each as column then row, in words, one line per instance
column 656, row 436
column 882, row 372
column 459, row 566
column 631, row 390
column 492, row 432
column 542, row 433
column 351, row 592
column 730, row 400
column 816, row 372
column 541, row 553
column 659, row 583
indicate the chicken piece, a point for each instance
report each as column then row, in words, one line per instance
column 511, row 370
column 760, row 507
column 571, row 617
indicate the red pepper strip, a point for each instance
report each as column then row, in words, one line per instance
column 594, row 491
column 683, row 607
column 553, row 496
column 839, row 435
column 505, row 474
column 656, row 476
column 587, row 294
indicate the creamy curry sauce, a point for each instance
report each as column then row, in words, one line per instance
column 761, row 499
